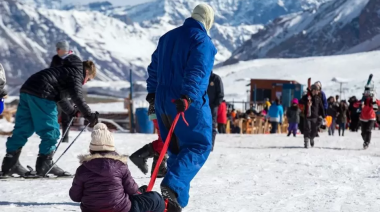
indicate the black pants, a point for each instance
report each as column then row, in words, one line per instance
column 65, row 121
column 221, row 128
column 147, row 202
column 332, row 126
column 354, row 125
column 310, row 128
column 367, row 131
column 214, row 113
column 301, row 124
column 274, row 127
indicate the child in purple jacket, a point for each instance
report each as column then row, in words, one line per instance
column 103, row 181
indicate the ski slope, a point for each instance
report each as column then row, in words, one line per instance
column 354, row 69
column 245, row 173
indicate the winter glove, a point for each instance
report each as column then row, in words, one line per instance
column 151, row 111
column 182, row 104
column 143, row 189
column 150, row 98
column 3, row 94
column 93, row 119
column 75, row 113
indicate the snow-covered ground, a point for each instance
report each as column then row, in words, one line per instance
column 245, row 173
column 353, row 68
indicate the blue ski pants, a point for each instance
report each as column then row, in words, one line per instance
column 35, row 115
column 190, row 145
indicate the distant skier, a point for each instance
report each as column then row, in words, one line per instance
column 293, row 116
column 180, row 70
column 368, row 115
column 37, row 112
column 151, row 150
column 103, row 181
column 311, row 123
column 215, row 93
column 63, row 52
column 3, row 92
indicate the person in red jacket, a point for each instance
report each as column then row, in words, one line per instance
column 222, row 117
column 368, row 116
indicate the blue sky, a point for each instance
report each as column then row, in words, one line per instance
column 115, row 2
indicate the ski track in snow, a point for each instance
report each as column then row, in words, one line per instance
column 245, row 173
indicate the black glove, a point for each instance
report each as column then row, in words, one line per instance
column 143, row 189
column 182, row 104
column 92, row 119
column 150, row 98
column 75, row 113
column 2, row 93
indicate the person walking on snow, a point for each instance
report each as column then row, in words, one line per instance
column 293, row 116
column 63, row 52
column 324, row 103
column 311, row 123
column 275, row 114
column 222, row 117
column 103, row 181
column 368, row 115
column 151, row 150
column 37, row 112
column 178, row 79
column 215, row 92
column 332, row 110
column 342, row 117
column 3, row 92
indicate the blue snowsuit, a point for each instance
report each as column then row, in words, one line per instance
column 182, row 65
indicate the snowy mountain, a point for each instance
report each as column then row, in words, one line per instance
column 354, row 69
column 119, row 39
column 336, row 27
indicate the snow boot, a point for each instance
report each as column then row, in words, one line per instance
column 162, row 170
column 289, row 133
column 306, row 143
column 140, row 157
column 312, row 142
column 45, row 162
column 365, row 145
column 171, row 197
column 11, row 165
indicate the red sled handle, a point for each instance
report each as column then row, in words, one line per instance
column 162, row 154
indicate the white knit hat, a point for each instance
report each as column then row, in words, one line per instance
column 102, row 139
column 204, row 14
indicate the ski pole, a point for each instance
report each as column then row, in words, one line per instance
column 64, row 134
column 162, row 154
column 66, row 149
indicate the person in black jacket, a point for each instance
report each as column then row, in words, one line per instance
column 215, row 93
column 332, row 110
column 342, row 117
column 57, row 60
column 37, row 112
column 311, row 122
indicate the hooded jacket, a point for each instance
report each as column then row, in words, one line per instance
column 316, row 106
column 368, row 111
column 323, row 96
column 59, row 83
column 103, row 183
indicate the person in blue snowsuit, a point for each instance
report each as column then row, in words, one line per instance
column 178, row 79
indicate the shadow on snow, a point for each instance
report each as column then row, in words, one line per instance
column 298, row 147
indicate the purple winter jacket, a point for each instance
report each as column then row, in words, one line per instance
column 103, row 183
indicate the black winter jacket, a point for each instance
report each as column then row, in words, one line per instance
column 293, row 114
column 316, row 106
column 59, row 83
column 56, row 61
column 215, row 91
column 343, row 114
column 332, row 110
